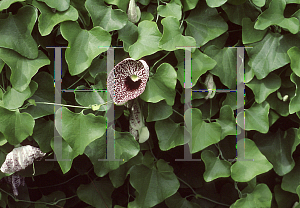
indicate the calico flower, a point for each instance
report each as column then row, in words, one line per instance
column 20, row 158
column 127, row 80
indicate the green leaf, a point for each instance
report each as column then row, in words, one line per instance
column 128, row 34
column 298, row 193
column 153, row 185
column 230, row 100
column 2, row 63
column 126, row 147
column 23, row 69
column 294, row 54
column 227, row 121
column 259, row 3
column 256, row 118
column 203, row 134
column 278, row 105
column 78, row 129
column 147, row 42
column 169, row 134
column 97, row 193
column 161, row 86
column 294, row 103
column 106, row 17
column 54, row 196
column 15, row 32
column 13, row 99
column 214, row 167
column 44, row 93
column 79, row 5
column 274, row 49
column 264, row 87
column 15, row 126
column 84, row 45
column 67, row 154
column 245, row 170
column 43, row 133
column 281, row 196
column 201, row 63
column 171, row 9
column 146, row 16
column 200, row 21
column 122, row 4
column 249, row 34
column 278, row 147
column 172, row 36
column 241, row 9
column 260, row 197
column 176, row 201
column 274, row 16
column 189, row 4
column 158, row 111
column 48, row 19
column 90, row 98
column 215, row 3
column 143, row 2
column 61, row 5
column 225, row 68
column 4, row 4
column 291, row 180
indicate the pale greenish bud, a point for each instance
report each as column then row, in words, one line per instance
column 143, row 134
column 136, row 123
column 209, row 82
column 279, row 95
column 133, row 12
column 285, row 98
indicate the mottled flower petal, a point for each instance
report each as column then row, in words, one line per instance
column 127, row 80
column 20, row 158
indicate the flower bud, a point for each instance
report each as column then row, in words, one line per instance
column 136, row 123
column 285, row 98
column 133, row 12
column 209, row 82
column 279, row 95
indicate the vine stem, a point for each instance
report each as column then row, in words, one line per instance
column 77, row 80
column 61, row 105
column 74, row 106
column 161, row 59
column 36, row 202
column 200, row 196
column 178, row 113
column 157, row 12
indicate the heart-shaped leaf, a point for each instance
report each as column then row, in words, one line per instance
column 84, row 45
column 245, row 170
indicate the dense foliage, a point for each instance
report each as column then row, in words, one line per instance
column 148, row 174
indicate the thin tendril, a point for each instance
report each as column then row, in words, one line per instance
column 161, row 59
column 39, row 202
column 200, row 196
column 178, row 113
column 77, row 80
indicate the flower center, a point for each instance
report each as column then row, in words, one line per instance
column 133, row 82
column 134, row 78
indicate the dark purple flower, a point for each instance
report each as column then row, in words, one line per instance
column 127, row 80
